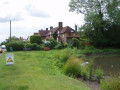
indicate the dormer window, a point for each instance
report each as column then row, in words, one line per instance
column 71, row 30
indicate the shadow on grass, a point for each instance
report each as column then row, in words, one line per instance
column 23, row 88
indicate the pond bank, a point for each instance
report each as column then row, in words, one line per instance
column 94, row 85
column 109, row 62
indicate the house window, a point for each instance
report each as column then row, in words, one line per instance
column 58, row 33
column 57, row 39
column 63, row 35
column 71, row 30
column 50, row 34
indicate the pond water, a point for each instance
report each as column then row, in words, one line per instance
column 110, row 63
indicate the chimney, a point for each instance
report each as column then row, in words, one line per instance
column 60, row 24
column 51, row 27
column 46, row 29
column 20, row 38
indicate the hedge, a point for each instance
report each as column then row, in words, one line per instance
column 16, row 46
column 35, row 39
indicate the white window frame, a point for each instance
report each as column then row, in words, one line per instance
column 50, row 34
column 58, row 33
column 63, row 35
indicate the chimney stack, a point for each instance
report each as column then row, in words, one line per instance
column 60, row 24
column 46, row 29
column 51, row 27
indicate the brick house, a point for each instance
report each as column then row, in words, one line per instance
column 42, row 33
column 64, row 34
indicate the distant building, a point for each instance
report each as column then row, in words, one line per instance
column 64, row 34
column 23, row 39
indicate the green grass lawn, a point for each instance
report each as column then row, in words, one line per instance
column 34, row 70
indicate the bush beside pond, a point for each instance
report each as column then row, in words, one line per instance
column 72, row 67
column 111, row 84
column 62, row 57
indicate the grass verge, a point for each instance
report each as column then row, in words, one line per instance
column 35, row 70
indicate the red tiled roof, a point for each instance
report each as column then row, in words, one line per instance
column 35, row 33
column 43, row 32
column 67, row 29
column 60, row 29
column 52, row 30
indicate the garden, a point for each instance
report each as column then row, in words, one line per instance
column 79, row 61
column 36, row 70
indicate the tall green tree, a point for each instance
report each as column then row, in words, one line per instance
column 98, row 15
column 55, row 35
column 113, row 11
column 76, row 27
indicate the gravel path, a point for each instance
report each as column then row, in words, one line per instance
column 94, row 85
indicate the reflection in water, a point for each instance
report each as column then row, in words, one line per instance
column 109, row 63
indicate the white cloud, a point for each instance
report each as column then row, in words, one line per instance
column 35, row 12
column 2, row 38
column 16, row 17
column 29, row 16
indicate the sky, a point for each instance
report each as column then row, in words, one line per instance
column 29, row 16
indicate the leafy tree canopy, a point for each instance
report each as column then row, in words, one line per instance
column 100, row 17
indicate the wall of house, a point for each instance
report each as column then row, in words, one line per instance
column 49, row 37
column 64, row 39
column 71, row 34
column 43, row 37
column 69, row 40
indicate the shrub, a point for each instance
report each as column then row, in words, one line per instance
column 65, row 45
column 47, row 44
column 35, row 39
column 66, row 54
column 99, row 73
column 61, row 45
column 111, row 84
column 86, row 43
column 16, row 46
column 91, row 68
column 46, row 48
column 34, row 46
column 41, row 47
column 84, row 72
column 72, row 67
column 51, row 44
column 82, row 44
column 75, row 42
column 62, row 57
column 90, row 48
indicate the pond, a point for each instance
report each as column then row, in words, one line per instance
column 110, row 63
